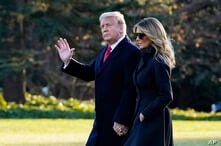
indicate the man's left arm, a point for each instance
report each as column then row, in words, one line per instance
column 125, row 110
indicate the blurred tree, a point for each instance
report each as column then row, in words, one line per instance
column 29, row 29
column 196, row 28
column 12, row 52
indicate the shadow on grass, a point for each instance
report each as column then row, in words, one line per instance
column 47, row 144
column 178, row 142
column 21, row 113
column 199, row 118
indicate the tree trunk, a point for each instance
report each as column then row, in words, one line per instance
column 14, row 88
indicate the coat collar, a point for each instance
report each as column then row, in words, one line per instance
column 150, row 51
column 100, row 66
column 146, row 53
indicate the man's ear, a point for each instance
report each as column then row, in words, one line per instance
column 121, row 29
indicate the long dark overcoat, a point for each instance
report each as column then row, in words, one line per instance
column 115, row 93
column 152, row 80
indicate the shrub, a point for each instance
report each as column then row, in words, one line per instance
column 3, row 103
column 37, row 106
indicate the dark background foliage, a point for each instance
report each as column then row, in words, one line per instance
column 29, row 62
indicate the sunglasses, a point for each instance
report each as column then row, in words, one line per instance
column 140, row 35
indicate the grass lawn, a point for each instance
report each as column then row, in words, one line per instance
column 74, row 132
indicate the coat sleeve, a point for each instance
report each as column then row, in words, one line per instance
column 125, row 110
column 164, row 90
column 83, row 71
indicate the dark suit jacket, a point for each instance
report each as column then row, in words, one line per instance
column 152, row 80
column 114, row 91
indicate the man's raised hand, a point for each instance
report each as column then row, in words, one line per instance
column 64, row 50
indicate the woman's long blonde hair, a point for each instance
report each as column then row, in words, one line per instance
column 155, row 31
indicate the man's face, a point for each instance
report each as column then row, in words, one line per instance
column 110, row 29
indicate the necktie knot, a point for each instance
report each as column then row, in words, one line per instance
column 107, row 53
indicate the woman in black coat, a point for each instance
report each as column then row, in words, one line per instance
column 152, row 78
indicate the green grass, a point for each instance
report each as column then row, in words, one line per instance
column 25, row 132
column 197, row 133
column 74, row 132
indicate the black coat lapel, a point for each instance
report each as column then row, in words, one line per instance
column 145, row 55
column 113, row 54
column 99, row 60
column 140, row 64
column 111, row 57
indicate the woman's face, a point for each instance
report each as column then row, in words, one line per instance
column 142, row 40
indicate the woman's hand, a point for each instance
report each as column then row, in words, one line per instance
column 141, row 116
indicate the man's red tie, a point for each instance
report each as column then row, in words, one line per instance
column 107, row 53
